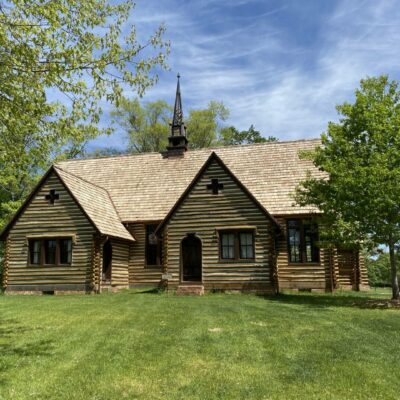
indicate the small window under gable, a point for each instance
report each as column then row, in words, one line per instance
column 215, row 186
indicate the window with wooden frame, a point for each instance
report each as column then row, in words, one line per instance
column 50, row 251
column 236, row 245
column 153, row 247
column 302, row 241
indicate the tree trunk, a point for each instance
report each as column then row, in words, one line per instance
column 393, row 268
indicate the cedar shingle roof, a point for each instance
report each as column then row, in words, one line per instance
column 97, row 204
column 144, row 187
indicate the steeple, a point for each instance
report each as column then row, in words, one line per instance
column 177, row 126
column 177, row 141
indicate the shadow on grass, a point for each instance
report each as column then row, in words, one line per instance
column 13, row 348
column 367, row 300
column 336, row 300
column 148, row 291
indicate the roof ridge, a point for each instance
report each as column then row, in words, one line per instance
column 213, row 148
column 93, row 184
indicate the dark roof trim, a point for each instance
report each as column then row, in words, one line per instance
column 214, row 157
column 25, row 204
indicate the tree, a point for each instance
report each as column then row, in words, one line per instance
column 147, row 126
column 59, row 61
column 361, row 155
column 203, row 125
column 231, row 136
column 378, row 267
column 104, row 152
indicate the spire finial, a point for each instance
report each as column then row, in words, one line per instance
column 177, row 126
column 177, row 141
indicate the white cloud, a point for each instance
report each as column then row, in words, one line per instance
column 284, row 80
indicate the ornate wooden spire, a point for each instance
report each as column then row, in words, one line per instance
column 177, row 141
column 177, row 126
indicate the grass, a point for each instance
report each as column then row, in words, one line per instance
column 137, row 345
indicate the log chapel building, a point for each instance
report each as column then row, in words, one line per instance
column 189, row 220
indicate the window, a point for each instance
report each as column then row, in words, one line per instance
column 54, row 251
column 34, row 252
column 65, row 251
column 302, row 241
column 294, row 229
column 50, row 248
column 237, row 245
column 246, row 245
column 228, row 245
column 153, row 247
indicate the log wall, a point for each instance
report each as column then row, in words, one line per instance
column 352, row 272
column 202, row 213
column 63, row 218
column 364, row 282
column 120, row 263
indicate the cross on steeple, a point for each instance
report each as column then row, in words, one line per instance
column 215, row 186
column 52, row 196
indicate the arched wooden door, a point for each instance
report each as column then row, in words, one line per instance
column 107, row 261
column 191, row 259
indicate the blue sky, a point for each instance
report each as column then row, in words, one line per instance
column 280, row 65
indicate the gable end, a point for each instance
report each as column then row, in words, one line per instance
column 214, row 157
column 27, row 202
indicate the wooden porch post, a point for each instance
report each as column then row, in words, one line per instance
column 96, row 263
column 6, row 264
column 332, row 268
column 274, row 275
column 356, row 270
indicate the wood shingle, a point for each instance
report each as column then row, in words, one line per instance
column 144, row 187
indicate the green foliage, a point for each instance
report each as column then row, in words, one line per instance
column 104, row 152
column 134, row 345
column 78, row 51
column 378, row 266
column 230, row 135
column 1, row 264
column 203, row 126
column 361, row 154
column 147, row 125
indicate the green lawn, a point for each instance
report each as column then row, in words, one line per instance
column 160, row 346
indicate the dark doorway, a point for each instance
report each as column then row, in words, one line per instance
column 191, row 259
column 107, row 261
